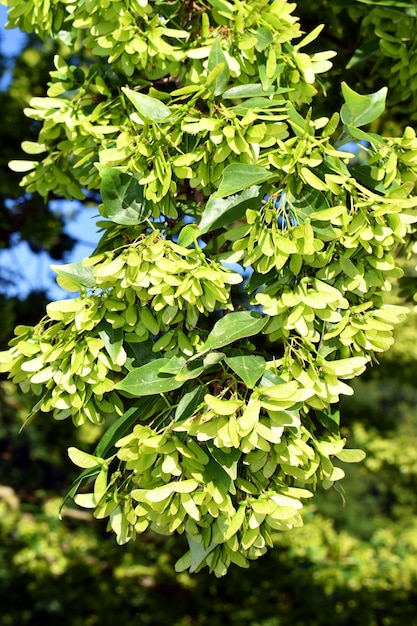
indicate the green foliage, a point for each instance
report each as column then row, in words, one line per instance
column 197, row 126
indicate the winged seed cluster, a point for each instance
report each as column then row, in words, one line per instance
column 241, row 277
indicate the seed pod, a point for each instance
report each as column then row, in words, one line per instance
column 148, row 320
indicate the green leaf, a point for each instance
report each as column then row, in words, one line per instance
column 228, row 463
column 239, row 176
column 330, row 419
column 249, row 367
column 216, row 59
column 251, row 90
column 36, row 408
column 189, row 402
column 139, row 353
column 410, row 8
column 123, row 424
column 232, row 327
column 264, row 38
column 74, row 276
column 307, row 201
column 223, row 7
column 198, row 552
column 86, row 475
column 215, row 472
column 147, row 380
column 149, row 108
column 363, row 53
column 113, row 342
column 222, row 212
column 373, row 139
column 123, row 198
column 270, row 379
column 191, row 369
column 359, row 110
column 173, row 365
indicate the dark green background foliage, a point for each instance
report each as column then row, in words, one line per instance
column 354, row 564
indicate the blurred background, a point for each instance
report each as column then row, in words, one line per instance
column 352, row 563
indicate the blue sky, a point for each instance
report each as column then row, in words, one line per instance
column 34, row 269
column 11, row 40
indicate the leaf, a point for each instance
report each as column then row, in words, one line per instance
column 330, row 419
column 307, row 201
column 373, row 139
column 228, row 462
column 359, row 110
column 123, row 198
column 409, row 7
column 148, row 107
column 113, row 342
column 248, row 367
column 224, row 7
column 75, row 276
column 58, row 309
column 147, row 380
column 363, row 53
column 216, row 59
column 173, row 365
column 139, row 353
column 189, row 402
column 351, row 456
column 258, row 103
column 251, row 90
column 87, row 474
column 222, row 212
column 215, row 472
column 232, row 327
column 191, row 369
column 118, row 429
column 198, row 552
column 36, row 408
column 264, row 38
column 239, row 176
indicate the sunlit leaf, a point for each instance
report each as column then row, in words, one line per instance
column 123, row 198
column 232, row 327
column 148, row 380
column 148, row 107
column 124, row 424
column 239, row 176
column 217, row 59
column 76, row 275
column 359, row 110
column 249, row 367
column 221, row 212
